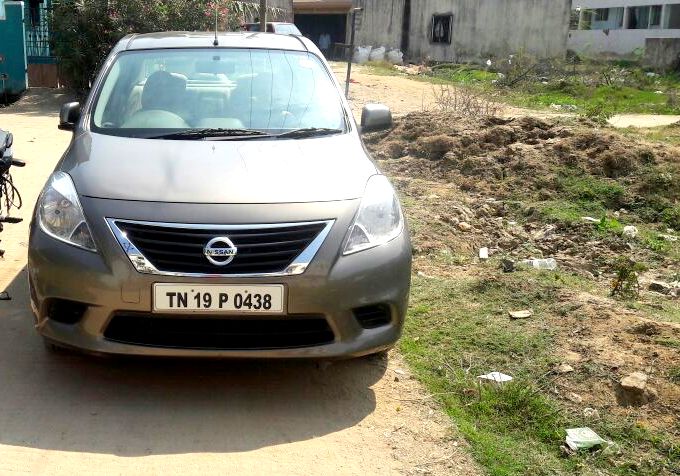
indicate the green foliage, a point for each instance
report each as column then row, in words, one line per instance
column 609, row 225
column 626, row 284
column 671, row 216
column 85, row 30
column 599, row 111
column 587, row 188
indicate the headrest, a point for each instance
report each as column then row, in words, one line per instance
column 162, row 90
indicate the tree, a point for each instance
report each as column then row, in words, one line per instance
column 84, row 31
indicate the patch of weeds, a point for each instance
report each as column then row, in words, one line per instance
column 569, row 212
column 599, row 111
column 656, row 244
column 609, row 225
column 587, row 188
column 514, row 429
column 658, row 455
column 666, row 342
column 674, row 374
column 671, row 216
column 626, row 284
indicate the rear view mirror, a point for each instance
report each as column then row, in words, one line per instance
column 69, row 116
column 375, row 117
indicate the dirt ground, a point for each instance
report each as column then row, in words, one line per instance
column 479, row 182
column 404, row 94
column 60, row 414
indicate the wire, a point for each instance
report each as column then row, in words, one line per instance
column 9, row 195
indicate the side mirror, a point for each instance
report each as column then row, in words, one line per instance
column 375, row 117
column 69, row 115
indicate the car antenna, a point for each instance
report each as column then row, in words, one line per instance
column 215, row 42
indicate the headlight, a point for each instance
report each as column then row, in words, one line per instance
column 379, row 219
column 60, row 214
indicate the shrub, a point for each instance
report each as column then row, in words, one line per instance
column 671, row 216
column 85, row 30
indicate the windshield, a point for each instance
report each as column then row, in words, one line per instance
column 147, row 93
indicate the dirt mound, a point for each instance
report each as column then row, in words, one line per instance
column 512, row 151
column 514, row 180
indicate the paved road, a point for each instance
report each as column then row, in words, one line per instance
column 72, row 414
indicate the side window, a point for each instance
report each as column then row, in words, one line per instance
column 442, row 26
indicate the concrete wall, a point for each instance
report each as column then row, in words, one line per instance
column 380, row 22
column 662, row 53
column 481, row 28
column 590, row 4
column 616, row 42
column 491, row 29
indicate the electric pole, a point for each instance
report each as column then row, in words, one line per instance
column 263, row 16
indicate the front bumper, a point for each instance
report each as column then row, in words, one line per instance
column 332, row 286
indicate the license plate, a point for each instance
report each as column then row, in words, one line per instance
column 218, row 298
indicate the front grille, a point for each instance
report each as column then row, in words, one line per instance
column 192, row 332
column 373, row 316
column 179, row 248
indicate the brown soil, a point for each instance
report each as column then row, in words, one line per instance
column 489, row 172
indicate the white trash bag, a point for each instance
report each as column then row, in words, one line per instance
column 395, row 57
column 378, row 54
column 361, row 54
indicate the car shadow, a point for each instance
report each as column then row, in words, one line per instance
column 133, row 407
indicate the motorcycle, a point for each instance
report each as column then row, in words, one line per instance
column 9, row 195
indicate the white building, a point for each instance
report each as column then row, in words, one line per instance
column 621, row 27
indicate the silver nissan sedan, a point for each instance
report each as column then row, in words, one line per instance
column 216, row 200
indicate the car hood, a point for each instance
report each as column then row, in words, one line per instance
column 190, row 171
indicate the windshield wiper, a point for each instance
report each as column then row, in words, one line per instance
column 308, row 132
column 210, row 133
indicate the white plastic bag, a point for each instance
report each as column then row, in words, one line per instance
column 395, row 57
column 361, row 54
column 378, row 54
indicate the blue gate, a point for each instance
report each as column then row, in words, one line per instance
column 13, row 61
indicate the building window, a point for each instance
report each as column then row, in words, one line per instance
column 442, row 26
column 655, row 16
column 673, row 20
column 601, row 14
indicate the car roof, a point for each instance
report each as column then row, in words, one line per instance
column 199, row 39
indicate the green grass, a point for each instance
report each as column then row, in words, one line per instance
column 614, row 99
column 569, row 212
column 458, row 329
column 617, row 99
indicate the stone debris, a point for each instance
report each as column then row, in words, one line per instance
column 564, row 368
column 630, row 231
column 634, row 391
column 464, row 226
column 575, row 397
column 523, row 314
column 669, row 289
